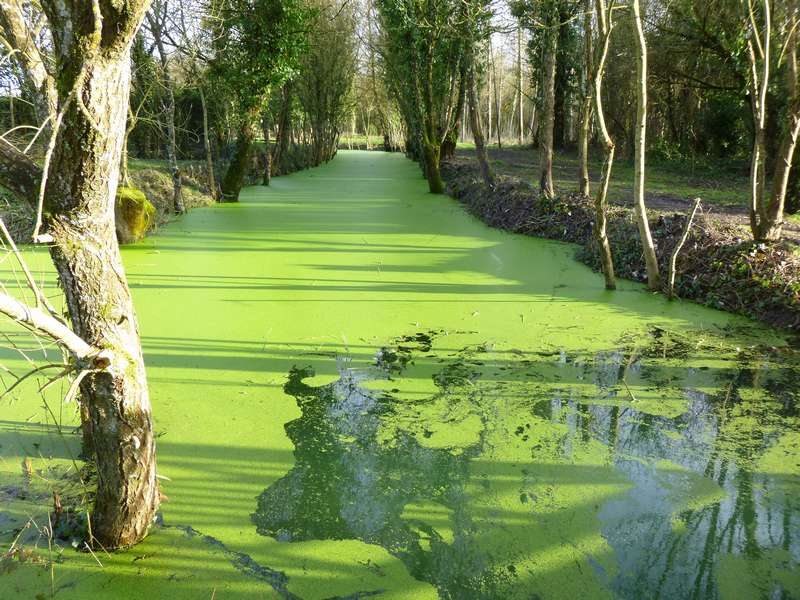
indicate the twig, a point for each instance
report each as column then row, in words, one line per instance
column 37, row 292
column 673, row 260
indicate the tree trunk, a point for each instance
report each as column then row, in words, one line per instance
column 172, row 150
column 605, row 25
column 432, row 169
column 79, row 207
column 210, row 179
column 640, row 210
column 169, row 112
column 766, row 217
column 521, row 129
column 124, row 175
column 477, row 133
column 233, row 181
column 586, row 105
column 772, row 227
column 498, row 112
column 267, row 151
column 489, row 107
column 284, row 128
column 548, row 109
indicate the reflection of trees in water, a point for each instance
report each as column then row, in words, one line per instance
column 350, row 483
column 722, row 437
column 346, row 484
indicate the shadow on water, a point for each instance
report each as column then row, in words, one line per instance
column 618, row 473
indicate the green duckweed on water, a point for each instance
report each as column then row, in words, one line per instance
column 359, row 390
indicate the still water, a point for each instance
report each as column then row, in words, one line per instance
column 359, row 390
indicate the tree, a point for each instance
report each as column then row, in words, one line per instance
column 326, row 76
column 423, row 49
column 549, row 104
column 258, row 49
column 477, row 32
column 768, row 34
column 143, row 87
column 605, row 25
column 543, row 18
column 157, row 25
column 639, row 207
column 477, row 130
column 91, row 43
column 586, row 103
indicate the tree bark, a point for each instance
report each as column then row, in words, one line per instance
column 640, row 149
column 433, row 171
column 498, row 112
column 79, row 207
column 548, row 109
column 18, row 173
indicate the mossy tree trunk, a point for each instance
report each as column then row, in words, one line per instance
column 233, row 182
column 92, row 51
column 433, row 171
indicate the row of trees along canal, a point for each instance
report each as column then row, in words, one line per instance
column 92, row 83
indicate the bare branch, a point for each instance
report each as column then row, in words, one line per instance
column 57, row 331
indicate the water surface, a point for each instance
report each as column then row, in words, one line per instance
column 362, row 391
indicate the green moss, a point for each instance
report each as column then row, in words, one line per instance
column 134, row 214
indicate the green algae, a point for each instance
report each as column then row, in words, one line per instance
column 775, row 574
column 586, row 443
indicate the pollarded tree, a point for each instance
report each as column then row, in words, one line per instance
column 257, row 49
column 91, row 43
column 423, row 49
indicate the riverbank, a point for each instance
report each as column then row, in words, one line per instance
column 718, row 266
